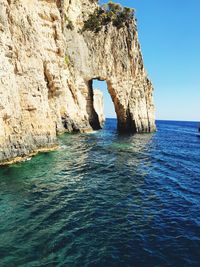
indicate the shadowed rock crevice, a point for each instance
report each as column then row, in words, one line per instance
column 93, row 116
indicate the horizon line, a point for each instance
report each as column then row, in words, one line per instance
column 164, row 120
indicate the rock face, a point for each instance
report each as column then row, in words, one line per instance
column 99, row 106
column 46, row 73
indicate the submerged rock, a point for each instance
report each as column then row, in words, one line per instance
column 47, row 64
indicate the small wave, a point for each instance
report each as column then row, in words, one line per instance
column 105, row 200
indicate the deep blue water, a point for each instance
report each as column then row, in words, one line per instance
column 105, row 200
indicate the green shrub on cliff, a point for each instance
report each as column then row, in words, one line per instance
column 66, row 59
column 93, row 23
column 109, row 13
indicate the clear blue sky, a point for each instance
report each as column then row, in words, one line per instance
column 169, row 33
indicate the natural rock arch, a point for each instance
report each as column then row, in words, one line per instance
column 124, row 121
column 47, row 64
column 113, row 55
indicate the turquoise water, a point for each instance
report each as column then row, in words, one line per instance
column 105, row 200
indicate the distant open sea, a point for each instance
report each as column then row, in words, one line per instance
column 105, row 199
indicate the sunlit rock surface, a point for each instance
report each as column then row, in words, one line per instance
column 99, row 106
column 46, row 72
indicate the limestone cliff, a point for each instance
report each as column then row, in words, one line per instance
column 47, row 64
column 99, row 105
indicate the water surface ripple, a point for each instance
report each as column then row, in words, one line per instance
column 105, row 200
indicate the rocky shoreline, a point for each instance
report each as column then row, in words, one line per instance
column 47, row 65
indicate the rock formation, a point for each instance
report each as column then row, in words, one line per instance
column 47, row 64
column 99, row 106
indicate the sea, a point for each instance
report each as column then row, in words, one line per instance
column 105, row 199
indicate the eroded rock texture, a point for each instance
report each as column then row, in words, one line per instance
column 99, row 105
column 46, row 72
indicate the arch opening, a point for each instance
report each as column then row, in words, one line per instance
column 102, row 101
column 116, row 106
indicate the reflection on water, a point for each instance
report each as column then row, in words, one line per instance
column 105, row 199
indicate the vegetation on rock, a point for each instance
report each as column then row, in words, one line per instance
column 69, row 23
column 67, row 60
column 109, row 13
